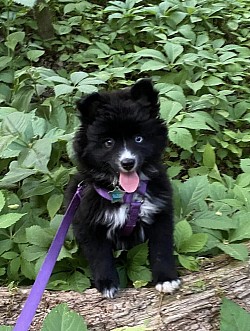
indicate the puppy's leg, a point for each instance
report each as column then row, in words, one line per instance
column 161, row 257
column 99, row 254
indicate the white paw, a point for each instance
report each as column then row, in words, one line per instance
column 168, row 287
column 109, row 293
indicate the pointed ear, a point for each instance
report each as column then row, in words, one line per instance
column 88, row 107
column 143, row 90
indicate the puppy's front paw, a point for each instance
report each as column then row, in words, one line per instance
column 168, row 287
column 109, row 293
column 108, row 288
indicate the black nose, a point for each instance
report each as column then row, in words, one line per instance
column 128, row 164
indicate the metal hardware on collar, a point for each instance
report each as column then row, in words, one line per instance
column 25, row 319
column 117, row 195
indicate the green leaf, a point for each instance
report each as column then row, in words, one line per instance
column 237, row 251
column 157, row 55
column 138, row 255
column 78, row 282
column 9, row 255
column 209, row 156
column 220, row 223
column 5, row 111
column 2, row 200
column 13, row 39
column 86, row 88
column 188, row 262
column 34, row 55
column 169, row 109
column 90, row 81
column 181, row 137
column 14, row 267
column 233, row 317
column 242, row 232
column 28, row 269
column 63, row 89
column 38, row 236
column 77, row 77
column 32, row 253
column 32, row 188
column 4, row 60
column 140, row 283
column 54, row 203
column 193, row 121
column 152, row 65
column 15, row 123
column 193, row 244
column 5, row 141
column 174, row 170
column 62, row 319
column 7, row 76
column 173, row 51
column 16, row 174
column 58, row 79
column 22, row 98
column 27, row 3
column 6, row 328
column 37, row 155
column 213, row 81
column 5, row 245
column 193, row 193
column 138, row 272
column 245, row 165
column 195, row 86
column 7, row 220
column 182, row 233
column 62, row 29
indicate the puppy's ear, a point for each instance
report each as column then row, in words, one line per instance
column 88, row 107
column 144, row 91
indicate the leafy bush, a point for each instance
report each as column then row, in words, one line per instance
column 197, row 53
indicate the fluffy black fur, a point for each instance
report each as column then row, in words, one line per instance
column 111, row 121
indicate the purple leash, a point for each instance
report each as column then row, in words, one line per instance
column 25, row 319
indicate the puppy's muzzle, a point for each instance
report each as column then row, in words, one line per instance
column 128, row 164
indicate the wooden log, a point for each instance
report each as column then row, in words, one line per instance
column 194, row 307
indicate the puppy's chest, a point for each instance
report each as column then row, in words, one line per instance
column 116, row 217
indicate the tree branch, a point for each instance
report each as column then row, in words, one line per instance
column 194, row 307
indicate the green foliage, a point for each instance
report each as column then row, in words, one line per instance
column 137, row 269
column 197, row 53
column 5, row 328
column 188, row 242
column 61, row 318
column 233, row 317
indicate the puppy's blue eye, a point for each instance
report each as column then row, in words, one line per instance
column 109, row 143
column 138, row 139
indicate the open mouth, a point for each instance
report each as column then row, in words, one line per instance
column 129, row 181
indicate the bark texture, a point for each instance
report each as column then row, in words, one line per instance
column 194, row 307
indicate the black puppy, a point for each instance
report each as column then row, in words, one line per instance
column 127, row 198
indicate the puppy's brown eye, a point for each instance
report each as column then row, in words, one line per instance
column 138, row 139
column 109, row 143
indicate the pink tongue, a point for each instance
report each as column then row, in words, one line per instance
column 129, row 181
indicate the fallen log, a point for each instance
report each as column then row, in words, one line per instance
column 194, row 307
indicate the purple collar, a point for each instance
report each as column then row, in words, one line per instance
column 128, row 198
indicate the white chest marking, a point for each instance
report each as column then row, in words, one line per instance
column 116, row 218
column 147, row 210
